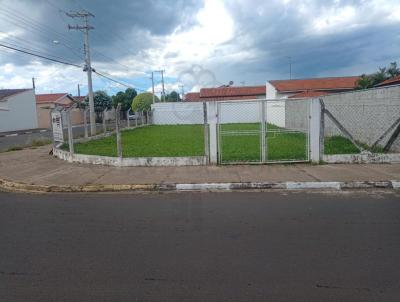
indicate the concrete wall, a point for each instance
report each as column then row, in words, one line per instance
column 230, row 112
column 19, row 112
column 178, row 113
column 366, row 114
column 43, row 114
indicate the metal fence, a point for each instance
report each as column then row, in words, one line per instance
column 262, row 131
column 74, row 137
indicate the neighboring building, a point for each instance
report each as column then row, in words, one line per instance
column 47, row 102
column 314, row 87
column 226, row 93
column 17, row 110
column 390, row 82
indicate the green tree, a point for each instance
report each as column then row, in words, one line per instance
column 125, row 98
column 364, row 82
column 101, row 101
column 393, row 71
column 143, row 101
column 173, row 97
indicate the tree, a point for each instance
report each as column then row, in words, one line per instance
column 364, row 82
column 369, row 81
column 393, row 71
column 173, row 97
column 101, row 101
column 125, row 98
column 143, row 101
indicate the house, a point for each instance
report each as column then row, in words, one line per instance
column 390, row 82
column 47, row 102
column 17, row 110
column 227, row 93
column 313, row 87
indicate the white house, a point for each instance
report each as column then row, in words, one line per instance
column 17, row 109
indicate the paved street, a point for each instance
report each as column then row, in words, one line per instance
column 240, row 246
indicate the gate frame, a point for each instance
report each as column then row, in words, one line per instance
column 313, row 129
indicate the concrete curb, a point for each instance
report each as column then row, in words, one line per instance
column 11, row 186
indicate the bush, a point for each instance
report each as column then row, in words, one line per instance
column 143, row 101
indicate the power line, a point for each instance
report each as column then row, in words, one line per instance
column 116, row 81
column 40, row 56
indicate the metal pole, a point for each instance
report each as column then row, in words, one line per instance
column 263, row 133
column 118, row 131
column 163, row 89
column 206, row 134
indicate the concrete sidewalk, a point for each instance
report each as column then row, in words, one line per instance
column 36, row 166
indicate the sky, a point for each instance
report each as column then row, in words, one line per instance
column 198, row 43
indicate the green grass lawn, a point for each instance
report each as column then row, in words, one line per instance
column 188, row 140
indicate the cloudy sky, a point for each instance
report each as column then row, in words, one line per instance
column 198, row 43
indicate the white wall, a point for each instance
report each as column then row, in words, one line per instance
column 230, row 112
column 178, row 113
column 20, row 113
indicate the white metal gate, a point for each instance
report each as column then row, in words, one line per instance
column 263, row 131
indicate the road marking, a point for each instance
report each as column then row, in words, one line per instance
column 14, row 134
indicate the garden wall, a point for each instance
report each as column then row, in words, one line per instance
column 366, row 114
column 231, row 112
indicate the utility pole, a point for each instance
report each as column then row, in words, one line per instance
column 88, row 68
column 33, row 84
column 152, row 86
column 79, row 90
column 290, row 67
column 162, row 80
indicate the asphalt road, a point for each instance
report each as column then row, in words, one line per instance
column 200, row 247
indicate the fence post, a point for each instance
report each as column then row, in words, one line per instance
column 127, row 118
column 85, row 122
column 147, row 117
column 104, row 121
column 315, row 130
column 70, row 134
column 212, row 122
column 142, row 118
column 206, row 134
column 118, row 130
column 263, row 140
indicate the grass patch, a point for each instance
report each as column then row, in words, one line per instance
column 341, row 145
column 188, row 140
column 281, row 145
column 154, row 140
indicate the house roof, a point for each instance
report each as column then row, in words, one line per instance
column 226, row 93
column 307, row 94
column 79, row 98
column 332, row 83
column 192, row 97
column 58, row 98
column 393, row 81
column 4, row 93
column 244, row 91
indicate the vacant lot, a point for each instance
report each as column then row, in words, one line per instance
column 238, row 142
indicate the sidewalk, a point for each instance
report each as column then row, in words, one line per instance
column 36, row 167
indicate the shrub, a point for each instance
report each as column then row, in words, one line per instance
column 143, row 101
